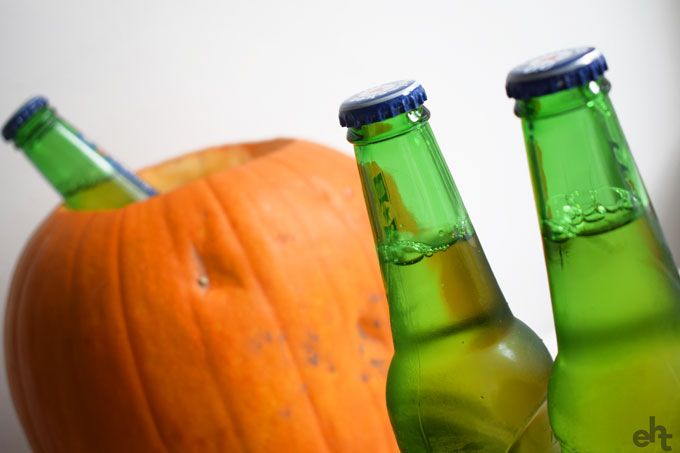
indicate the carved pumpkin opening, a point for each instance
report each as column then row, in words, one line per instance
column 177, row 172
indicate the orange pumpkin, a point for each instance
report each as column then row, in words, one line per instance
column 241, row 310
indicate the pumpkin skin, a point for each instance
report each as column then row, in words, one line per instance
column 241, row 310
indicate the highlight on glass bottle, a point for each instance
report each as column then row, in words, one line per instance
column 86, row 178
column 466, row 374
column 614, row 286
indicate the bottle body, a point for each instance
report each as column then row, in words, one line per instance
column 614, row 372
column 614, row 286
column 85, row 178
column 476, row 383
column 466, row 375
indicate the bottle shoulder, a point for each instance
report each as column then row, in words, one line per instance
column 498, row 338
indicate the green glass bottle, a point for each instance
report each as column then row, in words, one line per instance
column 86, row 178
column 466, row 374
column 615, row 386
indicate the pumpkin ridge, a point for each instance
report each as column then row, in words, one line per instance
column 379, row 403
column 301, row 177
column 275, row 315
column 77, row 256
column 322, row 187
column 209, row 363
column 383, row 341
column 319, row 186
column 291, row 210
column 35, row 373
column 40, row 239
column 124, row 322
column 50, row 440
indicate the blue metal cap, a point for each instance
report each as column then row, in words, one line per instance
column 555, row 71
column 21, row 116
column 381, row 102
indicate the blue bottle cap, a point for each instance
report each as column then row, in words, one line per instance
column 555, row 71
column 21, row 116
column 381, row 102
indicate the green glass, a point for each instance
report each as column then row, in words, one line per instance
column 615, row 386
column 85, row 178
column 466, row 374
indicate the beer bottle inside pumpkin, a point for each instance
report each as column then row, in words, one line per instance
column 466, row 374
column 86, row 178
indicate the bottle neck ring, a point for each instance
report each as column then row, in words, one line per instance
column 562, row 102
column 389, row 128
column 35, row 127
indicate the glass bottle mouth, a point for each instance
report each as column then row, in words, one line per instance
column 22, row 115
column 389, row 128
column 35, row 126
column 563, row 101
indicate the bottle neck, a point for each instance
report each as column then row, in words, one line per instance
column 585, row 179
column 409, row 191
column 435, row 272
column 83, row 177
column 609, row 268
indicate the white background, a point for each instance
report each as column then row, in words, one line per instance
column 150, row 80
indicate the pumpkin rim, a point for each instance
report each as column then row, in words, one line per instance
column 249, row 151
